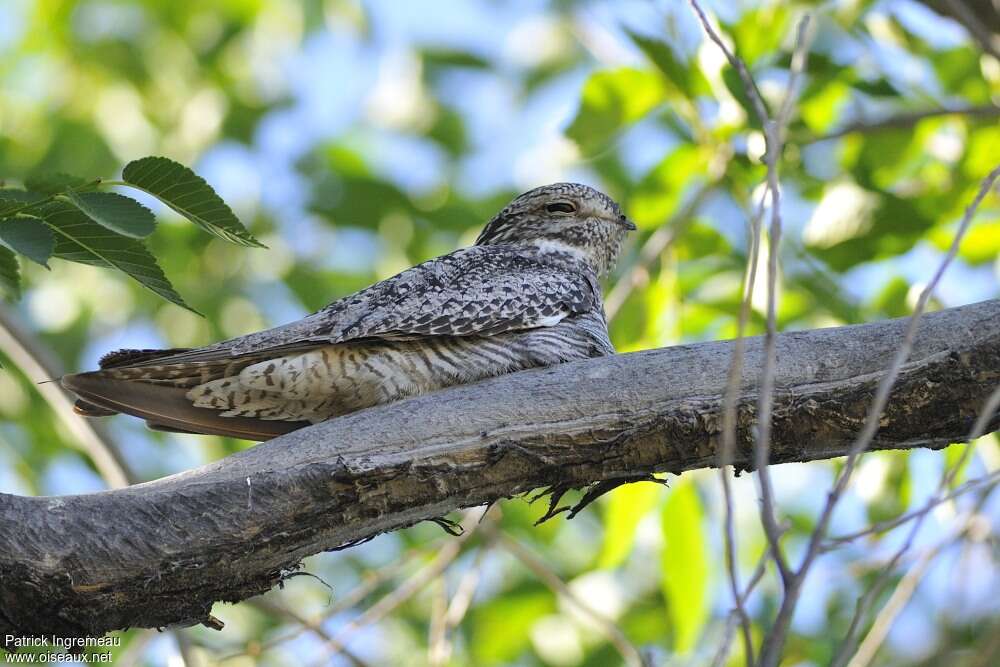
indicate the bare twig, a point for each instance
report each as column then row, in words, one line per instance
column 987, row 42
column 40, row 366
column 729, row 431
column 437, row 630
column 904, row 121
column 773, row 134
column 312, row 625
column 373, row 580
column 989, row 480
column 630, row 654
column 775, row 639
column 654, row 246
column 868, row 599
column 445, row 556
column 903, row 592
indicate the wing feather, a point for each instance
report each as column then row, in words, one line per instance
column 481, row 290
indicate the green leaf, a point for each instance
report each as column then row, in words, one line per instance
column 51, row 184
column 852, row 225
column 685, row 564
column 627, row 505
column 187, row 193
column 12, row 200
column 685, row 76
column 79, row 239
column 118, row 213
column 501, row 627
column 661, row 191
column 734, row 84
column 452, row 58
column 28, row 236
column 611, row 101
column 10, row 276
column 759, row 31
column 979, row 245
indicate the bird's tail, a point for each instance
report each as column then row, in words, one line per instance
column 132, row 382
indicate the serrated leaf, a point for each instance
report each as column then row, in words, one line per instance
column 50, row 184
column 12, row 200
column 685, row 565
column 29, row 237
column 116, row 212
column 190, row 195
column 80, row 239
column 10, row 276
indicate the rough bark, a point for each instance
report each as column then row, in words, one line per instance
column 160, row 553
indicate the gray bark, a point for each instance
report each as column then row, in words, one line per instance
column 160, row 553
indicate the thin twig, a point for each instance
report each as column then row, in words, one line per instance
column 437, row 630
column 868, row 599
column 472, row 521
column 961, row 13
column 374, row 579
column 41, row 367
column 903, row 121
column 774, row 137
column 658, row 241
column 630, row 654
column 774, row 132
column 903, row 592
column 989, row 480
column 775, row 639
column 728, row 448
column 312, row 625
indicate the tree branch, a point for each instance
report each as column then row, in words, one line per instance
column 161, row 553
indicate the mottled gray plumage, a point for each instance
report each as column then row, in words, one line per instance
column 525, row 295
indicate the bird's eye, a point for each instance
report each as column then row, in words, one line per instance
column 560, row 207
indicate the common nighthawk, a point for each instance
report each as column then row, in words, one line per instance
column 526, row 294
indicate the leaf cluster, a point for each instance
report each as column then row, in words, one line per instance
column 73, row 219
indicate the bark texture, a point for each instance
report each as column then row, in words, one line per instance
column 161, row 553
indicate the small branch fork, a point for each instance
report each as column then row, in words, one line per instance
column 793, row 579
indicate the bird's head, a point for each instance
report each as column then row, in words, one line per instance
column 563, row 217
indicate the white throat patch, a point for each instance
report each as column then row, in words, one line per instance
column 550, row 245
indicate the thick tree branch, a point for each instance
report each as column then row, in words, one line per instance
column 162, row 552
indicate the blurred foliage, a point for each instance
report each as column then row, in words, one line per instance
column 356, row 139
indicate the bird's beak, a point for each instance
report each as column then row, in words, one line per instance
column 627, row 224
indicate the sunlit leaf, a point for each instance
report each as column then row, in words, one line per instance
column 612, row 100
column 822, row 110
column 685, row 564
column 118, row 213
column 187, row 193
column 891, row 301
column 959, row 72
column 501, row 627
column 29, row 237
column 10, row 276
column 851, row 226
column 979, row 245
column 760, row 31
column 626, row 507
column 686, row 77
column 734, row 84
column 660, row 192
column 80, row 239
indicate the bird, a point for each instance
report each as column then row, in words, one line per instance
column 526, row 294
